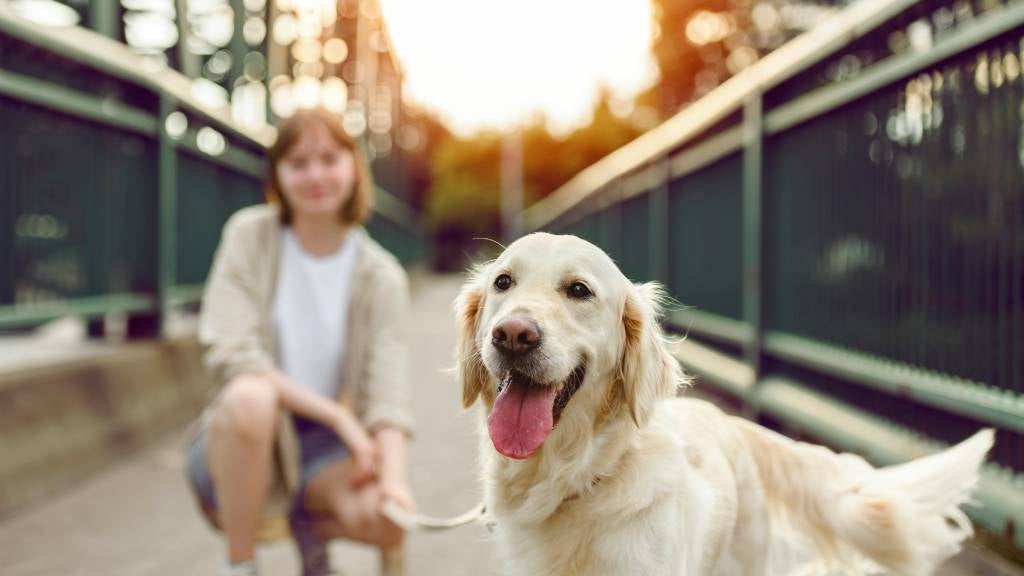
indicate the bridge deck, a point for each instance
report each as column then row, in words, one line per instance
column 137, row 518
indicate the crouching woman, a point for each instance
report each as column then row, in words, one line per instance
column 302, row 319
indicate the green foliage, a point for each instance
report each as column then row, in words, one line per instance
column 462, row 198
column 465, row 192
column 457, row 181
column 678, row 60
column 466, row 173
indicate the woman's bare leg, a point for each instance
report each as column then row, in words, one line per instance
column 392, row 561
column 354, row 514
column 241, row 441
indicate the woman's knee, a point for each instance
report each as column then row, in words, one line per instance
column 247, row 409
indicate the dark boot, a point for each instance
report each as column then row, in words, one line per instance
column 313, row 553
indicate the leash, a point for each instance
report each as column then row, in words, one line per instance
column 414, row 521
column 410, row 521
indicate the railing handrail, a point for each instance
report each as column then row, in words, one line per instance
column 395, row 209
column 793, row 57
column 97, row 51
column 172, row 91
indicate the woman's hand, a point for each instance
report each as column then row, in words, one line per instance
column 393, row 484
column 359, row 444
column 397, row 490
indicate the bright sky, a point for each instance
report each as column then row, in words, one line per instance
column 491, row 63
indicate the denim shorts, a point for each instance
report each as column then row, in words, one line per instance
column 319, row 447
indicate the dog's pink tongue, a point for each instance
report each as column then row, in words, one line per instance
column 522, row 418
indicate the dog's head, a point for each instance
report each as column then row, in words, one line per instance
column 552, row 333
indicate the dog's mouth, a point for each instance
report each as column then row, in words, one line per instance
column 525, row 411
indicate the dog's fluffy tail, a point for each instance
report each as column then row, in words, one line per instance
column 905, row 518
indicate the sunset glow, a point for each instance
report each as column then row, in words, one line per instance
column 483, row 64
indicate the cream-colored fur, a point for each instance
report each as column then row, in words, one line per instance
column 633, row 481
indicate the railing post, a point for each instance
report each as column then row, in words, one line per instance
column 103, row 18
column 189, row 63
column 657, row 218
column 167, row 259
column 512, row 186
column 237, row 46
column 753, row 144
column 610, row 218
column 8, row 270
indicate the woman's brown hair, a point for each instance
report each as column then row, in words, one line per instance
column 360, row 204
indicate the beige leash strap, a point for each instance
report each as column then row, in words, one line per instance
column 415, row 521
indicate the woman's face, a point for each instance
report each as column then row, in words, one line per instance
column 317, row 175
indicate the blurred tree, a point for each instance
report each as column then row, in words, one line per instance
column 462, row 201
column 465, row 186
column 431, row 134
column 463, row 198
column 678, row 60
column 550, row 161
column 698, row 44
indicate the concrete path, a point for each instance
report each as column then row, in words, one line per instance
column 137, row 518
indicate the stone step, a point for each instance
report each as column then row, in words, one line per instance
column 70, row 418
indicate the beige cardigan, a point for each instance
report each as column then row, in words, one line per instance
column 236, row 331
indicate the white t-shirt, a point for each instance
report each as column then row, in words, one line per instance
column 310, row 312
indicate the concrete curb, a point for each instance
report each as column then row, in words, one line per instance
column 66, row 421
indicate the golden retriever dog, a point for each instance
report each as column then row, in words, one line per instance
column 592, row 467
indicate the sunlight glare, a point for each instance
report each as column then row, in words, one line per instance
column 489, row 64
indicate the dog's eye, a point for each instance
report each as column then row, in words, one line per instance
column 503, row 282
column 579, row 290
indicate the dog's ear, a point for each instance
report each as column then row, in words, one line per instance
column 648, row 371
column 469, row 365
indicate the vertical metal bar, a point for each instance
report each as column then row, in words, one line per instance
column 657, row 218
column 277, row 59
column 8, row 220
column 237, row 46
column 610, row 220
column 366, row 56
column 985, row 311
column 511, row 185
column 188, row 63
column 922, row 210
column 103, row 17
column 1017, row 279
column 168, row 214
column 753, row 142
column 1001, row 110
column 1015, row 263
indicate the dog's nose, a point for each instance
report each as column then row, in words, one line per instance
column 516, row 336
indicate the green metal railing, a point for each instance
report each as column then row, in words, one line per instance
column 115, row 181
column 843, row 223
